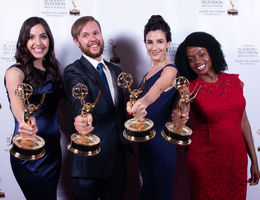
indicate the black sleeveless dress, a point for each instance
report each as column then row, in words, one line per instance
column 157, row 157
column 39, row 179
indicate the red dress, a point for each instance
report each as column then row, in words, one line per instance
column 217, row 156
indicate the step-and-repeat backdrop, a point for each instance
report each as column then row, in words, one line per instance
column 234, row 23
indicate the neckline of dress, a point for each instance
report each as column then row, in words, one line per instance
column 158, row 71
column 40, row 70
column 209, row 83
column 18, row 64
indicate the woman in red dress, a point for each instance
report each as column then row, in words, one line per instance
column 222, row 138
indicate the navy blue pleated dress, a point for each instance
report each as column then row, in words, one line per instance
column 157, row 157
column 39, row 179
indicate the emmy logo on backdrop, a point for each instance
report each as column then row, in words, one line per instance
column 75, row 11
column 115, row 59
column 136, row 130
column 28, row 148
column 81, row 144
column 232, row 11
column 2, row 194
column 177, row 134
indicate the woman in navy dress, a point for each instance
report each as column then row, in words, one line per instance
column 157, row 156
column 36, row 65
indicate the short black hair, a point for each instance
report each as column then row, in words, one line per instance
column 156, row 22
column 200, row 39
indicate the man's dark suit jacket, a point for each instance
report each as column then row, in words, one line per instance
column 108, row 119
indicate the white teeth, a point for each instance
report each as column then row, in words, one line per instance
column 201, row 67
column 93, row 45
column 38, row 50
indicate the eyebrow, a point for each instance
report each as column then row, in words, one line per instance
column 200, row 51
column 43, row 33
column 87, row 32
column 160, row 39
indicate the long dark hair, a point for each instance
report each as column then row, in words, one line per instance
column 200, row 39
column 156, row 22
column 25, row 58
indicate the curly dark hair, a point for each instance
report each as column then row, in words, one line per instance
column 25, row 58
column 200, row 39
column 156, row 22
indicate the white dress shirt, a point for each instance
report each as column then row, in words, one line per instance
column 107, row 73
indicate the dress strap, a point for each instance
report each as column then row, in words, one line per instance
column 172, row 65
column 160, row 71
column 17, row 66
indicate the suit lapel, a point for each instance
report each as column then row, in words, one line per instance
column 93, row 73
column 89, row 69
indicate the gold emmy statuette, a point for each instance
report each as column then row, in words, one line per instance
column 84, row 145
column 232, row 11
column 28, row 148
column 115, row 59
column 172, row 132
column 136, row 130
column 75, row 11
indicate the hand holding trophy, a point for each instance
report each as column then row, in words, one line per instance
column 81, row 144
column 28, row 148
column 136, row 130
column 180, row 135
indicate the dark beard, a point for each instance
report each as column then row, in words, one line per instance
column 94, row 55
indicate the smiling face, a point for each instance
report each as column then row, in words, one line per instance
column 156, row 45
column 199, row 61
column 90, row 40
column 38, row 42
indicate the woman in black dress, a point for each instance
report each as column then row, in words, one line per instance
column 36, row 65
